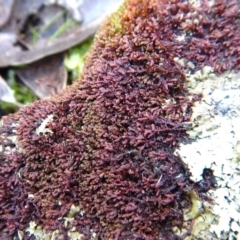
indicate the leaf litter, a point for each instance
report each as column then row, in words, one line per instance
column 35, row 35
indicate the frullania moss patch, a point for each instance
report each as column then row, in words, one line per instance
column 117, row 137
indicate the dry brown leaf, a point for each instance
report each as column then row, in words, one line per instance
column 94, row 12
column 45, row 77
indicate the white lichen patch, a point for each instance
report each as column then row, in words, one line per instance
column 216, row 145
column 30, row 196
column 181, row 38
column 10, row 137
column 197, row 207
column 75, row 235
column 74, row 210
column 20, row 234
column 192, row 19
column 180, row 61
column 43, row 129
column 197, row 3
column 39, row 234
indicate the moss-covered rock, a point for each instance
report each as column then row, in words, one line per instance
column 99, row 160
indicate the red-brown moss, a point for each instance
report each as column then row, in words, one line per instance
column 115, row 132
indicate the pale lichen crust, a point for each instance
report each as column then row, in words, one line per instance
column 100, row 161
column 43, row 129
column 35, row 230
column 216, row 136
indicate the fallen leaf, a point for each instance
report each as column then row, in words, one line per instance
column 93, row 13
column 73, row 6
column 74, row 61
column 45, row 77
column 6, row 7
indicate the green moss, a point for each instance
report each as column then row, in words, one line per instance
column 75, row 59
column 112, row 26
column 115, row 19
column 22, row 93
column 8, row 107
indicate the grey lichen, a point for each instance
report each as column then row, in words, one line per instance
column 216, row 135
column 43, row 129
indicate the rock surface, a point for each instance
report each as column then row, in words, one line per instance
column 145, row 145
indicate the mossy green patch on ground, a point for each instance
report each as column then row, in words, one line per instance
column 115, row 19
column 22, row 94
column 113, row 25
column 75, row 59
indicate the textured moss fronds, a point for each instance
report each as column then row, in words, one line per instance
column 115, row 21
column 113, row 25
column 114, row 133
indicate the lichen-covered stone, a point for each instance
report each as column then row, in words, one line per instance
column 99, row 160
